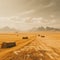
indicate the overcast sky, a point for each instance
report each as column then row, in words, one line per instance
column 26, row 14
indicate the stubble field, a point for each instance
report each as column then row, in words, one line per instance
column 38, row 46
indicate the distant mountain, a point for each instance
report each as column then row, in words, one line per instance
column 45, row 29
column 8, row 29
column 52, row 29
column 38, row 29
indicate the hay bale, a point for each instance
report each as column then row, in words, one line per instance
column 24, row 37
column 8, row 45
column 42, row 36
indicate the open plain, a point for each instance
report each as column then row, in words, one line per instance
column 39, row 46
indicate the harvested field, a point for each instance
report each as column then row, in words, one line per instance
column 33, row 48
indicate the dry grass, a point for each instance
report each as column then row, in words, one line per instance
column 34, row 48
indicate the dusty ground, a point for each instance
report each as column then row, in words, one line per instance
column 34, row 48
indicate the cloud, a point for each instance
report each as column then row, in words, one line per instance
column 6, row 22
column 26, row 13
column 22, row 16
column 49, row 5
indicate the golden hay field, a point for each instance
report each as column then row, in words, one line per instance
column 35, row 47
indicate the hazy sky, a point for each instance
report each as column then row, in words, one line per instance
column 26, row 14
